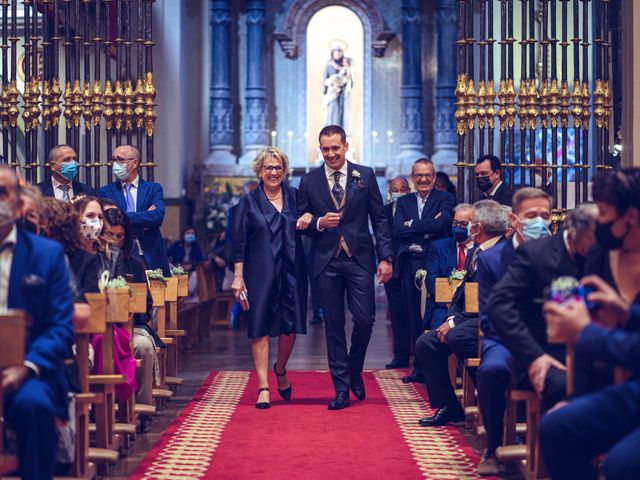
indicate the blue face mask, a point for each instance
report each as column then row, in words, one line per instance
column 120, row 171
column 69, row 170
column 535, row 228
column 460, row 234
column 189, row 237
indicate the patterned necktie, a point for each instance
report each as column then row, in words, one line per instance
column 65, row 192
column 337, row 190
column 129, row 197
column 461, row 257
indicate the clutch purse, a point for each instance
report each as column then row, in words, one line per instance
column 244, row 300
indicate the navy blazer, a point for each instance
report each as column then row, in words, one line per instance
column 442, row 258
column 492, row 266
column 176, row 252
column 426, row 228
column 395, row 243
column 363, row 202
column 39, row 284
column 146, row 224
column 46, row 188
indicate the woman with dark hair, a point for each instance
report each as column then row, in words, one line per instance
column 444, row 184
column 187, row 250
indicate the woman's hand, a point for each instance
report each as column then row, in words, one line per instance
column 304, row 221
column 613, row 311
column 238, row 285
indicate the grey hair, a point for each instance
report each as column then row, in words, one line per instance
column 400, row 177
column 54, row 152
column 582, row 219
column 270, row 152
column 462, row 206
column 493, row 216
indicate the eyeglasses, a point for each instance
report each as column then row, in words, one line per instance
column 123, row 159
column 460, row 224
column 427, row 176
column 273, row 168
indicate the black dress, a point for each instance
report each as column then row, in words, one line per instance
column 266, row 241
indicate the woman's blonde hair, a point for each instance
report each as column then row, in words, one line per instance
column 270, row 152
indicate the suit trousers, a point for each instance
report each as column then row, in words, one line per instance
column 30, row 412
column 607, row 421
column 433, row 356
column 412, row 326
column 344, row 275
column 399, row 325
column 494, row 379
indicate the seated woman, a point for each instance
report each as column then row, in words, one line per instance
column 91, row 224
column 117, row 231
column 186, row 251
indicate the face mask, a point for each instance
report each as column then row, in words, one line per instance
column 483, row 183
column 6, row 214
column 26, row 225
column 395, row 196
column 69, row 170
column 605, row 237
column 469, row 234
column 91, row 228
column 120, row 171
column 189, row 237
column 460, row 234
column 535, row 228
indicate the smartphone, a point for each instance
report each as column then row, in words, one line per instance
column 244, row 300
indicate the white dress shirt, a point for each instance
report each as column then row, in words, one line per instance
column 58, row 192
column 331, row 180
column 134, row 192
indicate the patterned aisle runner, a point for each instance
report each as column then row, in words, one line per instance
column 440, row 452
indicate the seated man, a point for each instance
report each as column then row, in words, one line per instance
column 444, row 256
column 459, row 333
column 606, row 421
column 494, row 373
column 512, row 317
column 34, row 278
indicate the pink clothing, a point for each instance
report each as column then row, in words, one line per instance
column 124, row 362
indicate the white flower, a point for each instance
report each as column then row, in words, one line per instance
column 355, row 174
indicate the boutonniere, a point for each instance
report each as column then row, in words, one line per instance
column 357, row 178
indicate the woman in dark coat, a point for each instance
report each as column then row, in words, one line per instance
column 269, row 265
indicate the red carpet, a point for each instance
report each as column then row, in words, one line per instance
column 221, row 435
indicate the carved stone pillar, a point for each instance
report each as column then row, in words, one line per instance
column 221, row 134
column 256, row 134
column 445, row 144
column 411, row 132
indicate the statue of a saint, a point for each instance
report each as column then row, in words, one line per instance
column 338, row 81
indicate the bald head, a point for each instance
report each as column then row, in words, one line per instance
column 128, row 157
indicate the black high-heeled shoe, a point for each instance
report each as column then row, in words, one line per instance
column 263, row 405
column 286, row 393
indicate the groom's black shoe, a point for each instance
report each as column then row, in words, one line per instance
column 444, row 415
column 357, row 386
column 415, row 377
column 340, row 401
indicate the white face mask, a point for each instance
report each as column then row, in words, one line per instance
column 7, row 215
column 395, row 196
column 91, row 228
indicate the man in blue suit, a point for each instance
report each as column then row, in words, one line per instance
column 606, row 421
column 34, row 278
column 421, row 217
column 142, row 201
column 444, row 256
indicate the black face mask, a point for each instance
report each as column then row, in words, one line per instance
column 483, row 183
column 605, row 237
column 26, row 225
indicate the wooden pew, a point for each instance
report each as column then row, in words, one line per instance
column 217, row 305
column 13, row 328
column 444, row 294
column 158, row 289
column 182, row 291
column 469, row 404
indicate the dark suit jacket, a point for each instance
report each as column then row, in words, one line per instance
column 86, row 268
column 146, row 224
column 457, row 307
column 176, row 252
column 39, row 284
column 426, row 228
column 441, row 260
column 395, row 243
column 514, row 308
column 363, row 202
column 46, row 188
column 503, row 195
column 492, row 266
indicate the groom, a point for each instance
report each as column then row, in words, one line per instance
column 342, row 197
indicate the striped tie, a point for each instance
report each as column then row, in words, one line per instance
column 65, row 192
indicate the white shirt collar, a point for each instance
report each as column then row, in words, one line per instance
column 466, row 245
column 134, row 183
column 12, row 237
column 495, row 188
column 330, row 171
column 420, row 199
column 515, row 241
column 489, row 243
column 56, row 184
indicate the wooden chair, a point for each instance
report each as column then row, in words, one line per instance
column 182, row 291
column 13, row 332
column 469, row 404
column 158, row 290
column 444, row 294
column 219, row 303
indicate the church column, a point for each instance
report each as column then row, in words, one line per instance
column 256, row 134
column 445, row 132
column 411, row 133
column 221, row 132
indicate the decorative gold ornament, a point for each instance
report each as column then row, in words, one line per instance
column 523, row 104
column 128, row 105
column 13, row 96
column 96, row 102
column 532, row 110
column 46, row 105
column 118, row 101
column 599, row 104
column 607, row 104
column 68, row 103
column 554, row 103
column 87, row 111
column 150, row 95
column 108, row 105
column 461, row 114
column 472, row 111
column 511, row 103
column 544, row 104
column 576, row 109
column 482, row 102
column 4, row 105
column 56, row 93
column 586, row 103
column 139, row 97
column 491, row 104
column 564, row 105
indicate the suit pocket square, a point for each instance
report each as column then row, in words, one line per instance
column 32, row 280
